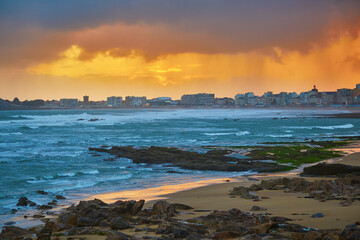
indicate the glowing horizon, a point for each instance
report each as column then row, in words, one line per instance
column 145, row 52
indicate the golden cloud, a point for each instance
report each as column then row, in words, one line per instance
column 334, row 64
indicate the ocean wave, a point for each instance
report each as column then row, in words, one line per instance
column 241, row 133
column 10, row 134
column 92, row 172
column 343, row 126
column 279, row 135
column 70, row 174
column 218, row 134
column 120, row 117
column 16, row 117
column 116, row 178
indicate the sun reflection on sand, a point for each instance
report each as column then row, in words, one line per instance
column 149, row 194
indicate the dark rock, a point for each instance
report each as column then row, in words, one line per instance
column 38, row 216
column 9, row 223
column 71, row 219
column 119, row 223
column 180, row 206
column 52, row 203
column 137, row 207
column 187, row 160
column 317, row 215
column 119, row 236
column 243, row 192
column 324, row 169
column 59, row 197
column 162, row 207
column 54, row 226
column 12, row 232
column 41, row 192
column 31, row 203
column 109, row 160
column 350, row 232
column 171, row 171
column 180, row 233
column 255, row 187
column 23, row 201
column 84, row 222
column 257, row 208
column 44, row 207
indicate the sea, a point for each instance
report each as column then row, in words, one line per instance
column 48, row 149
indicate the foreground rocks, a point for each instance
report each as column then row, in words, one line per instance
column 214, row 160
column 96, row 218
column 347, row 188
column 97, row 213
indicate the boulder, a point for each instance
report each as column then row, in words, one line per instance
column 257, row 208
column 350, row 232
column 180, row 233
column 118, row 236
column 162, row 207
column 317, row 215
column 84, row 222
column 137, row 207
column 41, row 192
column 180, row 206
column 24, row 201
column 243, row 192
column 119, row 223
column 12, row 232
column 59, row 197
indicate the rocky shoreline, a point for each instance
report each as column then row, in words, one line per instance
column 268, row 157
column 95, row 219
column 165, row 219
column 212, row 160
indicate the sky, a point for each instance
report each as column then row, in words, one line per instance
column 57, row 49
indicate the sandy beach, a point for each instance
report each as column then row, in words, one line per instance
column 209, row 195
column 215, row 196
column 279, row 203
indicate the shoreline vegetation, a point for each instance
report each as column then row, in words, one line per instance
column 275, row 205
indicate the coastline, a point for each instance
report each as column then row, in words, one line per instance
column 208, row 195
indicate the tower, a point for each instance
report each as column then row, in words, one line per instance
column 86, row 100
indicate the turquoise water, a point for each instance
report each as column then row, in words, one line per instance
column 48, row 150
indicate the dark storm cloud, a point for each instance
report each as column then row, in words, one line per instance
column 224, row 26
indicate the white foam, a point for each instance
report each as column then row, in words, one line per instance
column 111, row 117
column 218, row 134
column 9, row 134
column 279, row 135
column 242, row 133
column 90, row 172
column 69, row 174
column 344, row 126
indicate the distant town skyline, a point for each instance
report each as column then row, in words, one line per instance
column 56, row 49
column 310, row 98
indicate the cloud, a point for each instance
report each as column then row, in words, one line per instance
column 31, row 32
column 330, row 66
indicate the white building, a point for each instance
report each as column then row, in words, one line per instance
column 114, row 101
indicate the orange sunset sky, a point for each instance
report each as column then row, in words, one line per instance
column 55, row 49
